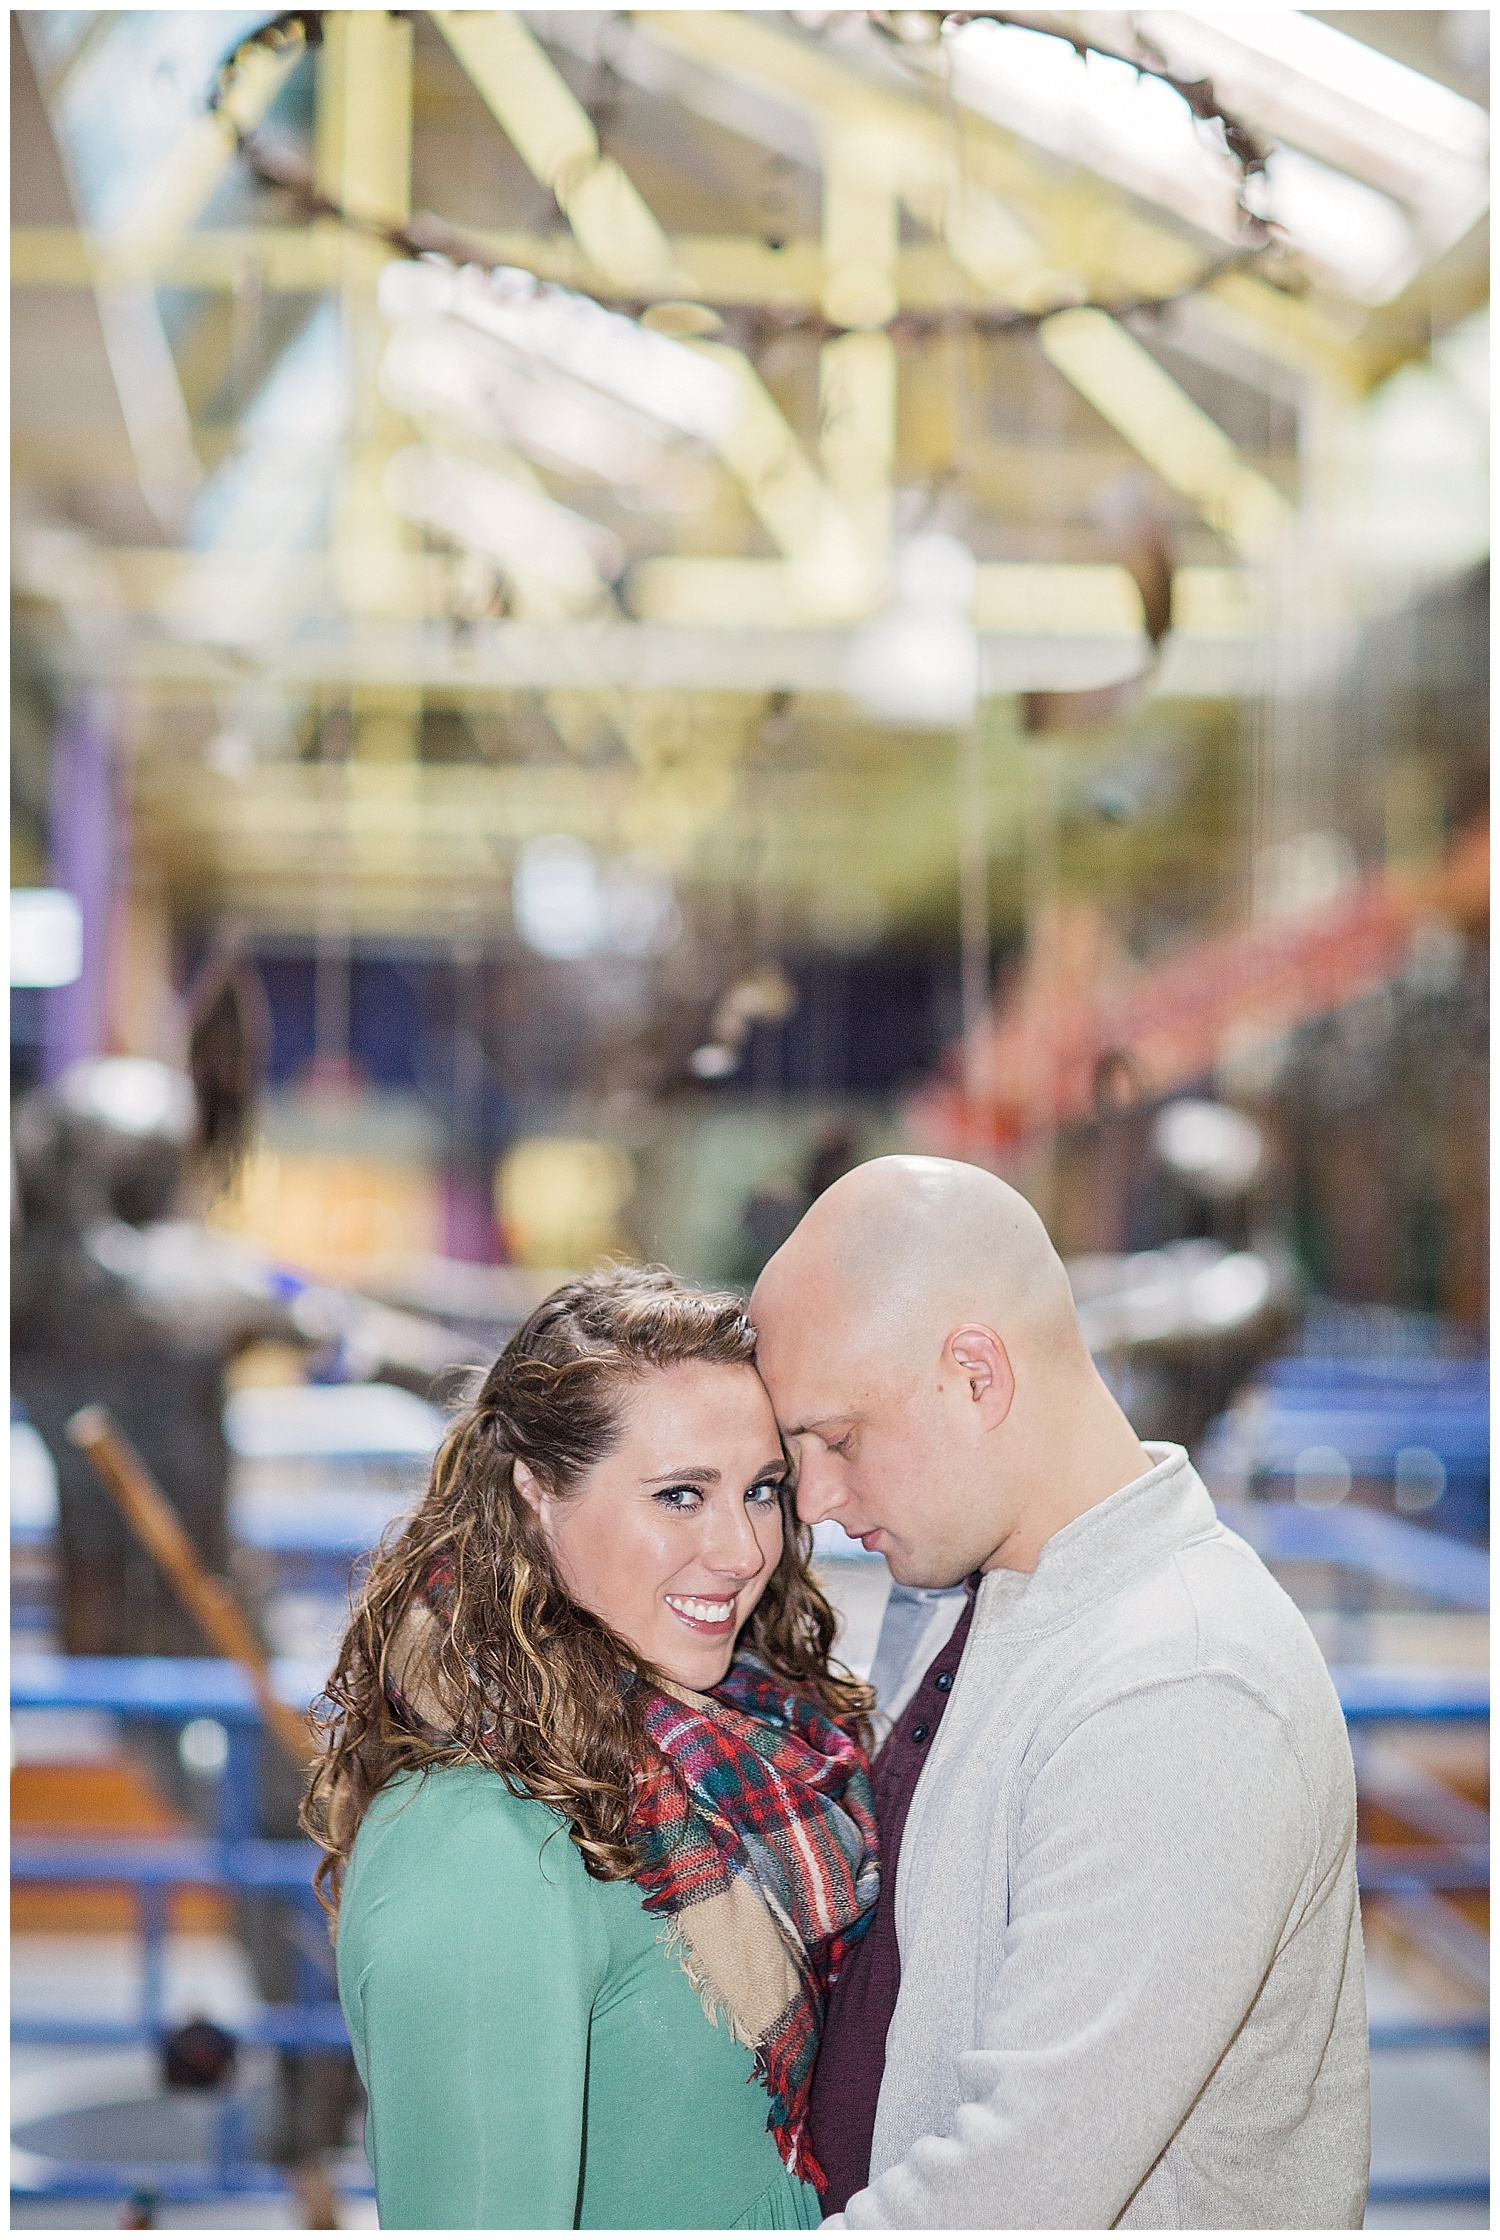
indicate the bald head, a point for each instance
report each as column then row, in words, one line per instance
column 902, row 1248
column 920, row 1344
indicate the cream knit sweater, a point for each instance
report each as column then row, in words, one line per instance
column 1132, row 1983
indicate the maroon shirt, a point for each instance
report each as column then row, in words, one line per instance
column 851, row 2057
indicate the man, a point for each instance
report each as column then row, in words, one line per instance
column 1131, row 1984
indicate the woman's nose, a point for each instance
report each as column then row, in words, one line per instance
column 732, row 1546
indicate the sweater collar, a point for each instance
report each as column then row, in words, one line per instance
column 1163, row 1510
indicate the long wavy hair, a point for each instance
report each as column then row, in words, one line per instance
column 516, row 1675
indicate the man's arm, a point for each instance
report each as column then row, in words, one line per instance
column 1162, row 1850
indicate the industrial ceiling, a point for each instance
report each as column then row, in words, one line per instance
column 378, row 564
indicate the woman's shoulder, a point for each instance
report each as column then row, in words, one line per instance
column 456, row 1891
column 457, row 1821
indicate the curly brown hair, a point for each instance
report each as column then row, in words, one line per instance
column 518, row 1676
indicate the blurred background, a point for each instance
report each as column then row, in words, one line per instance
column 613, row 613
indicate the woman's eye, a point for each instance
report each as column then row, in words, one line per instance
column 767, row 1492
column 681, row 1498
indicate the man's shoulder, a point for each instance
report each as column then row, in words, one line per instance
column 1206, row 1608
column 1210, row 1628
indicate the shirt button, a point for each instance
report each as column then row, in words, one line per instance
column 943, row 1680
column 920, row 1734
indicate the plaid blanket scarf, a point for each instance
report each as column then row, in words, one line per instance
column 755, row 1825
column 757, row 1830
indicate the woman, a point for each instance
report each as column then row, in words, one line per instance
column 594, row 1805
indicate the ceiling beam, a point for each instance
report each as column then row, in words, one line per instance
column 723, row 269
column 1044, row 237
column 392, row 657
column 1022, row 231
column 1134, row 394
column 555, row 137
column 362, row 158
column 1306, row 337
column 1018, row 598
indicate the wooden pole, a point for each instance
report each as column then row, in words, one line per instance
column 158, row 1527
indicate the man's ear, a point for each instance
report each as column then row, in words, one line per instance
column 978, row 1355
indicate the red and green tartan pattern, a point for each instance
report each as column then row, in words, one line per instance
column 757, row 1780
column 763, row 1783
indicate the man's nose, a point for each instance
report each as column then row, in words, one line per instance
column 820, row 1492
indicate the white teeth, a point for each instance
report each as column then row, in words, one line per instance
column 706, row 1613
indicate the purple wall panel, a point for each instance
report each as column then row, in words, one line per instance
column 85, row 845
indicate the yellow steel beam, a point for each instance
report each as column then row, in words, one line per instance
column 592, row 655
column 1000, row 258
column 363, row 136
column 715, row 268
column 857, row 373
column 1020, row 231
column 287, row 258
column 1191, row 452
column 861, row 228
column 1290, row 330
column 1019, row 597
column 362, row 158
column 857, row 419
column 555, row 137
column 1014, row 598
column 968, row 178
column 431, row 854
column 837, row 575
column 1078, row 600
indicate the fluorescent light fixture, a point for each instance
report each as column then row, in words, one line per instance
column 1100, row 112
column 137, row 1096
column 443, row 366
column 555, row 894
column 1358, row 73
column 847, row 916
column 936, row 572
column 1323, row 97
column 1308, row 872
column 1210, row 1144
column 568, row 905
column 917, row 664
column 1421, row 1479
column 674, row 387
column 1321, row 1477
column 1231, row 1292
column 641, row 917
column 1316, row 90
column 1355, row 237
column 714, row 1061
column 46, row 938
column 530, row 536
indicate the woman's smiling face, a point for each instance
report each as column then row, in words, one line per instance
column 672, row 1538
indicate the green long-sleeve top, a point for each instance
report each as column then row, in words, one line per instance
column 533, row 2055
